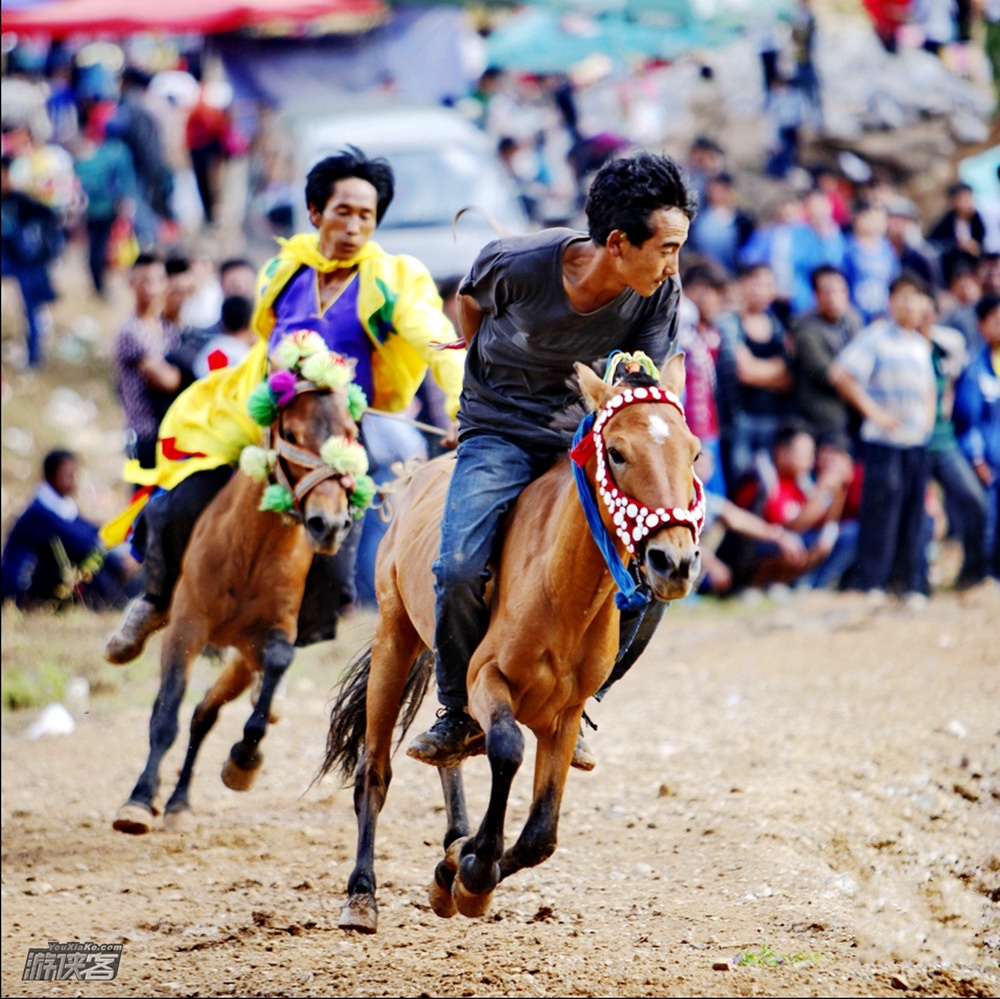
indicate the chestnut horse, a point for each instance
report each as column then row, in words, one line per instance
column 241, row 586
column 553, row 633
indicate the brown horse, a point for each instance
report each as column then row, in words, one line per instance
column 552, row 638
column 241, row 586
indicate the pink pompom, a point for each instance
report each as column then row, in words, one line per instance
column 282, row 384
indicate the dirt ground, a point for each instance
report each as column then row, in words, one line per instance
column 811, row 779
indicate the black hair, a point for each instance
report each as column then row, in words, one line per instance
column 789, row 429
column 145, row 259
column 233, row 262
column 236, row 313
column 958, row 187
column 350, row 162
column 52, row 461
column 627, row 191
column 986, row 305
column 177, row 265
column 745, row 270
column 705, row 273
column 910, row 278
column 821, row 272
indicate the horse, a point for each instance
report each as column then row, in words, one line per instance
column 552, row 637
column 244, row 574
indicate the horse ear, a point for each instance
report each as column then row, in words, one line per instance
column 672, row 374
column 592, row 387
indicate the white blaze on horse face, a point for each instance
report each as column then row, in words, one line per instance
column 659, row 428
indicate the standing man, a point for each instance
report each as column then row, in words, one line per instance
column 530, row 308
column 887, row 375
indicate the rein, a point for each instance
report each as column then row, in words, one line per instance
column 633, row 520
column 295, row 455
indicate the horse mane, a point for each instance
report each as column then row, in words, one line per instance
column 570, row 417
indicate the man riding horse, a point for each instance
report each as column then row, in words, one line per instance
column 380, row 309
column 531, row 306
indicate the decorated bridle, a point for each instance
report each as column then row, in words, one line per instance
column 633, row 520
column 302, row 363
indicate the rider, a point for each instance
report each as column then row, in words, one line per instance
column 531, row 306
column 380, row 309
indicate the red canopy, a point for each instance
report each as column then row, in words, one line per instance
column 61, row 18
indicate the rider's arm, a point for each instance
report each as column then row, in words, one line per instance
column 470, row 316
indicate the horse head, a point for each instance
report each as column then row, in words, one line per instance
column 310, row 452
column 652, row 501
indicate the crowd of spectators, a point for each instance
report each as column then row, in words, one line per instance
column 843, row 378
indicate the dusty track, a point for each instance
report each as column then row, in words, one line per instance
column 815, row 776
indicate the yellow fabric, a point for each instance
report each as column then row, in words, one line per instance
column 115, row 531
column 400, row 310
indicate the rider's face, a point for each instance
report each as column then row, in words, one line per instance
column 348, row 220
column 647, row 266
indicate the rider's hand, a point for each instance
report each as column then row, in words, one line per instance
column 450, row 439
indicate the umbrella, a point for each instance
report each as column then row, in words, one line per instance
column 122, row 17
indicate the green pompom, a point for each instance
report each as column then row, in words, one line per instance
column 262, row 406
column 357, row 401
column 362, row 495
column 276, row 498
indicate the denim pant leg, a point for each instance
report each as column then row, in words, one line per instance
column 961, row 486
column 879, row 517
column 910, row 564
column 490, row 473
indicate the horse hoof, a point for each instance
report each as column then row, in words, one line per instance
column 238, row 779
column 134, row 819
column 360, row 914
column 453, row 855
column 441, row 899
column 471, row 906
column 180, row 820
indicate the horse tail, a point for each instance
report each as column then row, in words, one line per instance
column 349, row 715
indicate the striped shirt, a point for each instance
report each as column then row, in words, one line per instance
column 893, row 365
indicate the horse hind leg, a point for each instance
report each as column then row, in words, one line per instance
column 179, row 648
column 245, row 759
column 479, row 871
column 235, row 677
column 393, row 656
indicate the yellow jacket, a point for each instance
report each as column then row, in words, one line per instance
column 399, row 307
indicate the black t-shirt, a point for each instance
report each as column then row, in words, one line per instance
column 523, row 353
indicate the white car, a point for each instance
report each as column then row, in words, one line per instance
column 442, row 163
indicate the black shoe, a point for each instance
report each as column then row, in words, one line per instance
column 453, row 737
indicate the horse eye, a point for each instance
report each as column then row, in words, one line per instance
column 291, row 438
column 616, row 456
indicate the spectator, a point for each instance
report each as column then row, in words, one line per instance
column 817, row 338
column 706, row 160
column 806, row 78
column 203, row 306
column 180, row 287
column 31, row 241
column 700, row 339
column 913, row 252
column 227, row 349
column 961, row 228
column 977, row 416
column 720, row 229
column 869, row 262
column 786, row 113
column 964, row 496
column 965, row 289
column 205, row 133
column 989, row 273
column 137, row 128
column 838, row 189
column 886, row 374
column 816, row 240
column 753, row 375
column 771, row 244
column 107, row 178
column 147, row 382
column 53, row 555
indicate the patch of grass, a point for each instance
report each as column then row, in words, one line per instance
column 21, row 688
column 764, row 957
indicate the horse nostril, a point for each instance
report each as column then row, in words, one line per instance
column 318, row 527
column 659, row 562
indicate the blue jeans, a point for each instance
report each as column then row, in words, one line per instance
column 490, row 473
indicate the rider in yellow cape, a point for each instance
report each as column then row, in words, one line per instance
column 206, row 428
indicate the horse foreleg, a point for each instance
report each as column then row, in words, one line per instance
column 136, row 815
column 240, row 770
column 478, row 871
column 232, row 681
column 537, row 841
column 393, row 652
column 441, row 894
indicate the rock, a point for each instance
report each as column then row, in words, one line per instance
column 899, row 982
column 720, row 966
column 53, row 720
